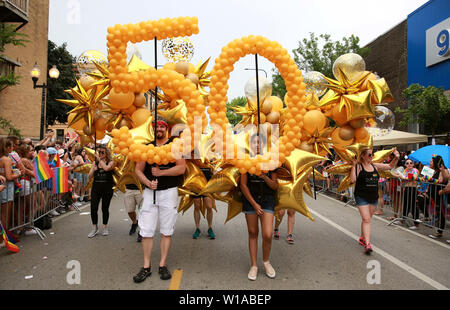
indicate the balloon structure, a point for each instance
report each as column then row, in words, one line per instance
column 112, row 99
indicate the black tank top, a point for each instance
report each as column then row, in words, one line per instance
column 367, row 184
column 164, row 182
column 207, row 173
column 103, row 177
column 258, row 187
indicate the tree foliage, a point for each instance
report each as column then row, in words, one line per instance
column 427, row 106
column 319, row 54
column 234, row 118
column 59, row 56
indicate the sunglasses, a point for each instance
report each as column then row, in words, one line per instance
column 409, row 163
column 370, row 155
column 102, row 153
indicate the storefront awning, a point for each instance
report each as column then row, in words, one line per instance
column 399, row 137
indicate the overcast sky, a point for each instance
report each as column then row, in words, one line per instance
column 285, row 21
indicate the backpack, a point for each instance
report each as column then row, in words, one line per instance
column 44, row 223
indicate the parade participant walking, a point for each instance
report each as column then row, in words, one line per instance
column 198, row 201
column 102, row 189
column 133, row 199
column 163, row 181
column 291, row 222
column 259, row 203
column 365, row 174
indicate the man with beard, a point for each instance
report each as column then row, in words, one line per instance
column 164, row 180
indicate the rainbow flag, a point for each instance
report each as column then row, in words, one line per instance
column 9, row 241
column 56, row 161
column 41, row 169
column 61, row 180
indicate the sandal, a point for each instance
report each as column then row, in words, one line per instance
column 435, row 236
column 362, row 241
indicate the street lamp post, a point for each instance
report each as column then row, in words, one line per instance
column 35, row 74
column 247, row 69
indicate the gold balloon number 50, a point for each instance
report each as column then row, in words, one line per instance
column 125, row 84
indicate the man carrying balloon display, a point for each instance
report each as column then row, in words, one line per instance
column 165, row 180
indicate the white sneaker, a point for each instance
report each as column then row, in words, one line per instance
column 2, row 245
column 105, row 232
column 270, row 272
column 93, row 233
column 54, row 213
column 30, row 232
column 253, row 273
column 413, row 228
column 78, row 204
column 448, row 241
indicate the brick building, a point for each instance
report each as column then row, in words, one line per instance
column 21, row 104
column 415, row 51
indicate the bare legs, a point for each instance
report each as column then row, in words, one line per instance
column 366, row 212
column 253, row 232
column 291, row 220
column 209, row 214
column 147, row 247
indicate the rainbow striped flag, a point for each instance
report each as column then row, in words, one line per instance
column 9, row 242
column 56, row 161
column 41, row 169
column 61, row 180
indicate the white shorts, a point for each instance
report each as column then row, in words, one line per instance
column 165, row 208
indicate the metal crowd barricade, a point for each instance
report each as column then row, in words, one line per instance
column 24, row 207
column 415, row 202
column 406, row 201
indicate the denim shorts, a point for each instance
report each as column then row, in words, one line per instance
column 267, row 204
column 364, row 202
column 8, row 193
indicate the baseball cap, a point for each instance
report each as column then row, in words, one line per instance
column 52, row 151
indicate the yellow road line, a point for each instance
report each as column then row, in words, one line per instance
column 176, row 280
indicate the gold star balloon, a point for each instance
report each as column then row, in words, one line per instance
column 293, row 180
column 320, row 140
column 349, row 95
column 203, row 77
column 143, row 134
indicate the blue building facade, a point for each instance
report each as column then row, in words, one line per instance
column 429, row 45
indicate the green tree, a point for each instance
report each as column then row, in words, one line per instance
column 428, row 107
column 60, row 56
column 319, row 54
column 9, row 35
column 231, row 115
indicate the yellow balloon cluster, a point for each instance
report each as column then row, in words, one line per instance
column 275, row 53
column 126, row 145
column 119, row 35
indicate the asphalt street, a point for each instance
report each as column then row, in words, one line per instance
column 325, row 256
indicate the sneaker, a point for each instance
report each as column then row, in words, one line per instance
column 276, row 234
column 139, row 238
column 76, row 196
column 105, row 232
column 211, row 234
column 290, row 239
column 413, row 227
column 270, row 272
column 164, row 272
column 133, row 229
column 448, row 241
column 142, row 275
column 61, row 210
column 30, row 232
column 54, row 213
column 253, row 273
column 362, row 241
column 435, row 236
column 196, row 234
column 93, row 233
column 368, row 249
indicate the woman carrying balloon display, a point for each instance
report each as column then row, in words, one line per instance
column 365, row 174
column 259, row 203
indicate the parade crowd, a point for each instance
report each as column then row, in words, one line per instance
column 409, row 191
